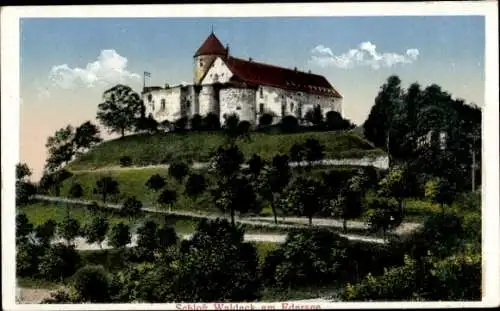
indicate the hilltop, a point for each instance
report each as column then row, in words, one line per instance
column 163, row 148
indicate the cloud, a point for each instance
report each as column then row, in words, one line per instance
column 43, row 93
column 364, row 55
column 109, row 68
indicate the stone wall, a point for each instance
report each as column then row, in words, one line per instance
column 239, row 101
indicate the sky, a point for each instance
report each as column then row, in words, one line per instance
column 67, row 63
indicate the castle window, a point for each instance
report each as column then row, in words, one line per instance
column 238, row 108
column 261, row 92
column 163, row 103
column 261, row 108
column 201, row 63
column 291, row 106
column 150, row 98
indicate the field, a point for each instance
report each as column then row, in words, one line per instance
column 162, row 148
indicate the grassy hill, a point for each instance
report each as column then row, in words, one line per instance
column 161, row 148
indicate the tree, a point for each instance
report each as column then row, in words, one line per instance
column 120, row 109
column 60, row 148
column 125, row 161
column 298, row 153
column 149, row 124
column 106, row 186
column 46, row 231
column 59, row 262
column 306, row 197
column 235, row 194
column 335, row 122
column 314, row 150
column 75, row 190
column 244, row 128
column 131, row 207
column 86, row 136
column 119, row 235
column 315, row 116
column 178, row 171
column 289, row 124
column 396, row 184
column 147, row 239
column 215, row 260
column 231, row 126
column 69, row 229
column 379, row 120
column 22, row 171
column 167, row 198
column 96, row 230
column 24, row 192
column 273, row 180
column 92, row 284
column 349, row 202
column 440, row 191
column 383, row 214
column 265, row 120
column 227, row 161
column 23, row 227
column 195, row 185
column 255, row 165
column 166, row 237
column 196, row 122
column 155, row 182
column 27, row 258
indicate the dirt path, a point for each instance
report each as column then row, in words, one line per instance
column 31, row 295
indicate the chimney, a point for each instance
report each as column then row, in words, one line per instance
column 250, row 59
column 295, row 68
column 227, row 50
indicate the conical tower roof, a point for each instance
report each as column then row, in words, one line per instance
column 211, row 46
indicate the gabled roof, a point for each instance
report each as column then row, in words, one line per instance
column 211, row 46
column 255, row 74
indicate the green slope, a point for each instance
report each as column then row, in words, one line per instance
column 199, row 146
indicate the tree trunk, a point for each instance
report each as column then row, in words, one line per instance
column 232, row 217
column 123, row 132
column 104, row 197
column 345, row 225
column 310, row 221
column 274, row 213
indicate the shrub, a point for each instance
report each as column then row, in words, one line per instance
column 125, row 161
column 131, row 207
column 178, row 171
column 211, row 122
column 167, row 197
column 27, row 258
column 60, row 261
column 289, row 124
column 45, row 232
column 75, row 190
column 155, row 182
column 92, row 284
column 181, row 124
column 119, row 235
column 196, row 122
column 195, row 185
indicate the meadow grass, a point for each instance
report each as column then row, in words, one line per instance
column 147, row 149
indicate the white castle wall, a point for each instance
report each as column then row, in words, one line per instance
column 238, row 101
column 218, row 72
column 207, row 101
column 172, row 108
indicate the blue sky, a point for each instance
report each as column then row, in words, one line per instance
column 446, row 50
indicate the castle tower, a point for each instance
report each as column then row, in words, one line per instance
column 205, row 55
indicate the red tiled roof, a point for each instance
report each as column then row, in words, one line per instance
column 254, row 73
column 211, row 46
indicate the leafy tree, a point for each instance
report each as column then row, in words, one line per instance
column 119, row 235
column 59, row 262
column 86, row 136
column 181, row 124
column 69, row 229
column 24, row 192
column 235, row 194
column 155, row 182
column 46, row 231
column 381, row 116
column 195, row 185
column 131, row 207
column 265, row 120
column 231, row 126
column 227, row 161
column 167, row 198
column 196, row 122
column 349, row 203
column 27, row 257
column 289, row 124
column 211, row 122
column 396, row 184
column 23, row 227
column 60, row 149
column 298, row 153
column 315, row 115
column 273, row 180
column 335, row 122
column 178, row 171
column 106, row 186
column 244, row 128
column 215, row 260
column 440, row 191
column 315, row 151
column 166, row 237
column 383, row 214
column 255, row 165
column 149, row 124
column 305, row 197
column 147, row 238
column 120, row 109
column 75, row 190
column 22, row 171
column 95, row 232
column 92, row 284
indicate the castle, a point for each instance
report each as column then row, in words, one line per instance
column 226, row 85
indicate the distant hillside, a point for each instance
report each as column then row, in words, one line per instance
column 162, row 148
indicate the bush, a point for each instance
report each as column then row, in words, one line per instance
column 167, row 197
column 131, row 207
column 289, row 124
column 181, row 124
column 27, row 259
column 178, row 171
column 155, row 182
column 211, row 122
column 195, row 185
column 119, row 235
column 265, row 120
column 92, row 284
column 335, row 122
column 125, row 161
column 196, row 122
column 60, row 261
